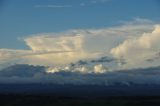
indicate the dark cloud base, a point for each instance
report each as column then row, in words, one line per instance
column 33, row 80
column 37, row 74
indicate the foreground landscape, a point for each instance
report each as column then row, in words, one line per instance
column 73, row 95
column 30, row 100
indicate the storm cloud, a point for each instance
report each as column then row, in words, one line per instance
column 60, row 49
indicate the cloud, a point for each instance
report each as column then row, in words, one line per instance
column 52, row 6
column 93, row 2
column 85, row 69
column 60, row 49
column 74, row 44
column 38, row 74
column 99, row 1
column 82, row 4
column 100, row 69
column 138, row 20
column 84, row 56
column 138, row 49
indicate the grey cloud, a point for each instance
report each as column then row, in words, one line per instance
column 37, row 74
column 103, row 59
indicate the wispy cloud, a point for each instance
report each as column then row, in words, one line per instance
column 99, row 1
column 82, row 4
column 52, row 6
column 93, row 2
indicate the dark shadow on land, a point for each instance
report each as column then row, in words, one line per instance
column 33, row 100
column 73, row 95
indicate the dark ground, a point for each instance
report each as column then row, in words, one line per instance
column 86, row 95
column 35, row 100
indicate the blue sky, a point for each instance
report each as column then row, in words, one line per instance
column 21, row 18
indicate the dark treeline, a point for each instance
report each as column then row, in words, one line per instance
column 30, row 100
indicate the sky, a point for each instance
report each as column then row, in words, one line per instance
column 60, row 32
column 21, row 18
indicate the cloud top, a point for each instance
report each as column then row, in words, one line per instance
column 138, row 49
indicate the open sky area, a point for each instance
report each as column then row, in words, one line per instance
column 22, row 18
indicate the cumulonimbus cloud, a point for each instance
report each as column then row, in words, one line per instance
column 137, row 50
column 52, row 49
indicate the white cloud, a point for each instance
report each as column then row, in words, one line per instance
column 138, row 49
column 135, row 42
column 70, row 46
column 97, row 69
column 100, row 68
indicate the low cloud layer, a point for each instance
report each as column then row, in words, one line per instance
column 38, row 74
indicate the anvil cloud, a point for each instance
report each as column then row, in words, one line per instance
column 135, row 42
